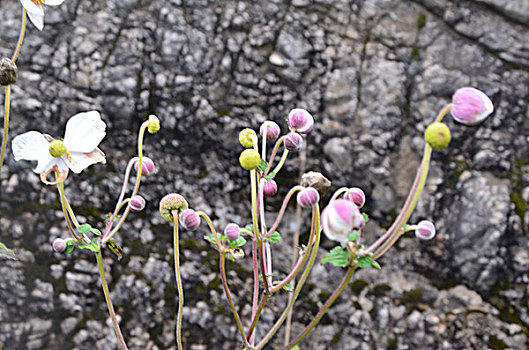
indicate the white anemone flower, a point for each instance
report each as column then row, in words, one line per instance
column 35, row 10
column 77, row 151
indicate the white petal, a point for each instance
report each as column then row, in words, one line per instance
column 31, row 145
column 32, row 8
column 53, row 2
column 58, row 169
column 78, row 161
column 84, row 131
column 45, row 163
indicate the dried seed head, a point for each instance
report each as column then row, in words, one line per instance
column 8, row 71
column 316, row 180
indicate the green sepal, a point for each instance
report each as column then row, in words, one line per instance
column 237, row 243
column 275, row 237
column 249, row 227
column 354, row 235
column 70, row 246
column 85, row 228
column 93, row 245
column 115, row 248
column 262, row 165
column 338, row 256
column 6, row 253
column 270, row 176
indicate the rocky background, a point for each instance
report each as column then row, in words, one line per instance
column 373, row 73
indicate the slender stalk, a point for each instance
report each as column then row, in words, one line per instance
column 339, row 192
column 283, row 208
column 178, row 281
column 6, row 125
column 295, row 243
column 111, row 311
column 273, row 155
column 443, row 112
column 255, row 297
column 255, row 318
column 20, row 36
column 60, row 188
column 281, row 162
column 324, row 308
column 212, row 229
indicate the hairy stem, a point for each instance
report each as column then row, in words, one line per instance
column 20, row 36
column 178, row 281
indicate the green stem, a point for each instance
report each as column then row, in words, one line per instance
column 60, row 187
column 109, row 301
column 21, row 36
column 273, row 155
column 178, row 281
column 6, row 126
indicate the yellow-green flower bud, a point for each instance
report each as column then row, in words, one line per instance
column 57, row 148
column 250, row 159
column 437, row 135
column 245, row 137
column 170, row 202
column 154, row 124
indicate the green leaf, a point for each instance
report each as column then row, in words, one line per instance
column 6, row 253
column 338, row 256
column 367, row 261
column 85, row 228
column 275, row 237
column 115, row 248
column 249, row 228
column 96, row 232
column 270, row 176
column 354, row 235
column 366, row 218
column 93, row 245
column 211, row 238
column 295, row 348
column 238, row 242
column 288, row 287
column 262, row 165
column 70, row 246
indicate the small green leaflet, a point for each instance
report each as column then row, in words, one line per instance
column 270, row 176
column 367, row 261
column 366, row 218
column 85, row 228
column 93, row 245
column 249, row 228
column 238, row 242
column 6, row 253
column 338, row 256
column 115, row 248
column 70, row 245
column 262, row 165
column 275, row 237
column 211, row 238
column 353, row 235
column 288, row 287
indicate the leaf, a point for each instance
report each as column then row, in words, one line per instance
column 238, row 242
column 288, row 287
column 93, row 245
column 270, row 176
column 354, row 235
column 70, row 246
column 275, row 237
column 115, row 248
column 85, row 228
column 6, row 253
column 338, row 256
column 366, row 218
column 249, row 228
column 367, row 261
column 262, row 165
column 210, row 238
column 96, row 232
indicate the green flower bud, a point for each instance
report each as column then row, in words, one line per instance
column 250, row 159
column 57, row 148
column 154, row 124
column 437, row 135
column 245, row 137
column 170, row 202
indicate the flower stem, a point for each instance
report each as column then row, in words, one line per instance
column 20, row 36
column 178, row 281
column 283, row 208
column 6, row 125
column 109, row 301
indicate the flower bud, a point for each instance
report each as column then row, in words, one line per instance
column 170, row 202
column 270, row 187
column 272, row 130
column 245, row 137
column 189, row 219
column 425, row 230
column 147, row 166
column 249, row 159
column 8, row 71
column 59, row 245
column 57, row 148
column 308, row 197
column 471, row 106
column 300, row 120
column 232, row 232
column 154, row 124
column 340, row 218
column 356, row 195
column 293, row 142
column 137, row 203
column 437, row 135
column 316, row 180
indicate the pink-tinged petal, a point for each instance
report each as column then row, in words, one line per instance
column 344, row 209
column 471, row 106
column 84, row 132
column 57, row 168
column 31, row 145
column 330, row 231
column 53, row 2
column 78, row 161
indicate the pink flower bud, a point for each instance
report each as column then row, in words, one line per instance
column 270, row 187
column 471, row 106
column 147, row 166
column 272, row 130
column 356, row 195
column 59, row 245
column 425, row 230
column 300, row 120
column 340, row 218
column 189, row 219
column 233, row 232
column 308, row 197
column 137, row 203
column 293, row 142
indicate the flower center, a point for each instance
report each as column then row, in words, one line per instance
column 38, row 2
column 57, row 148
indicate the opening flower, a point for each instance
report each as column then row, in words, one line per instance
column 77, row 151
column 340, row 218
column 471, row 106
column 35, row 10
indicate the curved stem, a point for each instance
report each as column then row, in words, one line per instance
column 109, row 301
column 443, row 112
column 20, row 36
column 339, row 192
column 283, row 208
column 273, row 155
column 255, row 298
column 6, row 125
column 212, row 229
column 62, row 197
column 178, row 280
column 281, row 162
column 324, row 308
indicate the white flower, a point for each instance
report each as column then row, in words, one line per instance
column 35, row 10
column 78, row 150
